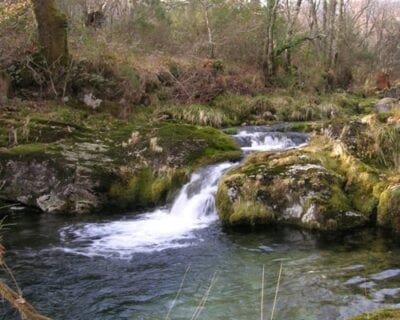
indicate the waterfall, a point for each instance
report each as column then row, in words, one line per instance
column 174, row 227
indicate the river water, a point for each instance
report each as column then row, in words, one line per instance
column 176, row 262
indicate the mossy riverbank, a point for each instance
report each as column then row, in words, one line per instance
column 62, row 159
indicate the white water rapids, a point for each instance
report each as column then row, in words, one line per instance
column 174, row 227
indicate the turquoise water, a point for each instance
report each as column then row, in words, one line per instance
column 132, row 266
column 322, row 278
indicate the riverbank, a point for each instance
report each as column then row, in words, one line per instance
column 68, row 159
column 87, row 160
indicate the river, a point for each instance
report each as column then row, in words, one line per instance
column 177, row 261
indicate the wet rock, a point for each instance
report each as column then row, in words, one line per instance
column 50, row 185
column 295, row 189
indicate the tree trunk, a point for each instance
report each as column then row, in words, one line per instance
column 52, row 27
column 332, row 34
column 211, row 45
column 269, row 67
column 325, row 28
column 314, row 28
column 292, row 23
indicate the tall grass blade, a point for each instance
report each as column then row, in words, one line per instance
column 276, row 292
column 262, row 293
column 178, row 292
column 203, row 301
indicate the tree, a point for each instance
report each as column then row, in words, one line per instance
column 269, row 66
column 52, row 27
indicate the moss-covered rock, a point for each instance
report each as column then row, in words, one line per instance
column 68, row 161
column 293, row 188
column 379, row 315
column 389, row 208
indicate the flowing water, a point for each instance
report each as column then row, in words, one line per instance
column 131, row 267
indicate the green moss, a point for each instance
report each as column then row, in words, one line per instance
column 303, row 127
column 383, row 116
column 338, row 201
column 145, row 189
column 388, row 208
column 223, row 202
column 250, row 213
column 32, row 148
column 202, row 145
column 230, row 131
column 379, row 315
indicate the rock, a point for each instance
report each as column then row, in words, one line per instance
column 4, row 87
column 295, row 189
column 50, row 186
column 51, row 203
column 387, row 105
column 73, row 169
column 91, row 101
column 269, row 116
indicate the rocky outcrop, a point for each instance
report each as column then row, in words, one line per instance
column 294, row 188
column 72, row 169
column 346, row 177
column 53, row 182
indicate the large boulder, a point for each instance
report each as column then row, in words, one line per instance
column 51, row 181
column 293, row 188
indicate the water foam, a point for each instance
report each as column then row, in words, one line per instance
column 269, row 141
column 193, row 209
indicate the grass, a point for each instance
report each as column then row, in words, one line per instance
column 178, row 292
column 198, row 115
column 387, row 144
column 276, row 292
column 262, row 292
column 203, row 301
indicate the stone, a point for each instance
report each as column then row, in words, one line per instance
column 91, row 101
column 296, row 189
column 387, row 105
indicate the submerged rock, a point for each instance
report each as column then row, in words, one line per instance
column 286, row 188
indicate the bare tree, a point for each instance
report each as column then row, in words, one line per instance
column 292, row 20
column 269, row 66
